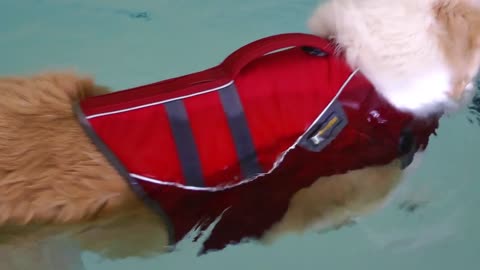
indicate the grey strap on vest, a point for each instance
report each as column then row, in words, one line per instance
column 185, row 143
column 240, row 131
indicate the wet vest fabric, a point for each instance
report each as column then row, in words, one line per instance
column 239, row 139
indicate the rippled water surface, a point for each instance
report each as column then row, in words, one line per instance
column 433, row 221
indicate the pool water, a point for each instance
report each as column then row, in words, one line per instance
column 430, row 224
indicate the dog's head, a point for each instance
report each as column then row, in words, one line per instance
column 423, row 56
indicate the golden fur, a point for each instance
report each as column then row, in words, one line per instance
column 54, row 181
column 52, row 178
column 460, row 40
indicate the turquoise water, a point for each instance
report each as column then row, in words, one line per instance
column 129, row 43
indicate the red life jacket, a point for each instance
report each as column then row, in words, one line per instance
column 244, row 136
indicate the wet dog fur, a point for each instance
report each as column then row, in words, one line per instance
column 421, row 56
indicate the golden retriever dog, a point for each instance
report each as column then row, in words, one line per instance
column 422, row 56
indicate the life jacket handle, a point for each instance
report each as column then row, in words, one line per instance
column 236, row 61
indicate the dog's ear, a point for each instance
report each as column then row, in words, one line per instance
column 458, row 31
column 459, row 23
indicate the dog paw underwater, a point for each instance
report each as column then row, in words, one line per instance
column 289, row 133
